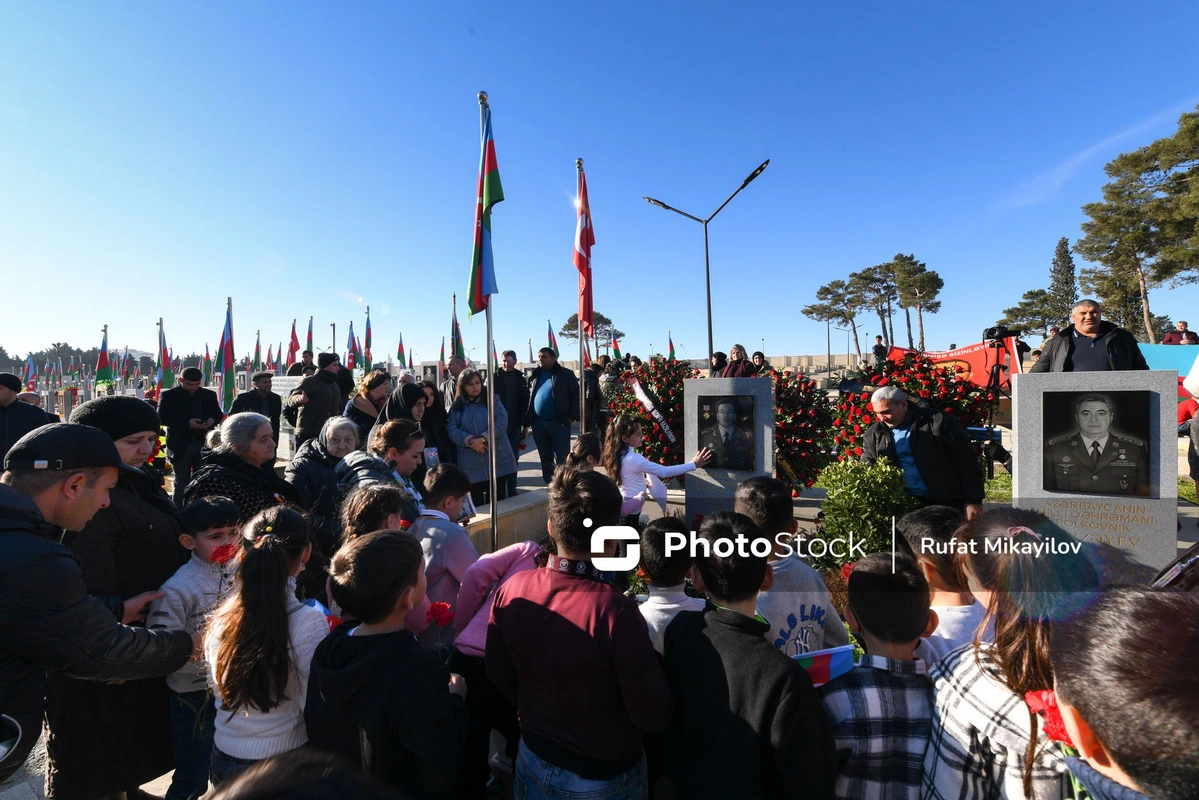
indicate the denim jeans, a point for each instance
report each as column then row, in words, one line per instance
column 224, row 767
column 184, row 463
column 553, row 442
column 537, row 779
column 193, row 722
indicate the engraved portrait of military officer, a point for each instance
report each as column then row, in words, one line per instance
column 1096, row 458
column 726, row 432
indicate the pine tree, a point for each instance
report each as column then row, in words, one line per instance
column 1063, row 286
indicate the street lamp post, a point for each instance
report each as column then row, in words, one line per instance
column 704, row 222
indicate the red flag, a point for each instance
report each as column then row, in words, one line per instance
column 584, row 239
column 293, row 347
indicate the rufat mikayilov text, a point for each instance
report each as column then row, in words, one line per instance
column 957, row 546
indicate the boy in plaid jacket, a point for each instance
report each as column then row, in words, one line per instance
column 881, row 711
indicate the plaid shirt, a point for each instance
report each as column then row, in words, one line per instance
column 979, row 742
column 881, row 716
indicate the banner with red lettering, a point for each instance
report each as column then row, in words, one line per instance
column 975, row 360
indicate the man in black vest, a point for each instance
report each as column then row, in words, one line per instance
column 261, row 400
column 188, row 412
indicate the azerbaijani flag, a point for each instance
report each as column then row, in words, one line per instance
column 616, row 355
column 441, row 358
column 350, row 349
column 824, row 665
column 308, row 345
column 60, row 375
column 456, row 347
column 366, row 353
column 551, row 339
column 30, row 373
column 226, row 362
column 103, row 365
column 482, row 265
column 256, row 363
column 124, row 364
column 166, row 371
column 495, row 355
column 360, row 356
column 206, row 366
column 293, row 347
column 400, row 357
column 670, row 341
column 584, row 239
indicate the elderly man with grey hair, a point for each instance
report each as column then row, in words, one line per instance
column 1090, row 345
column 940, row 465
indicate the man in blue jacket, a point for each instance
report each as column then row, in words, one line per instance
column 553, row 405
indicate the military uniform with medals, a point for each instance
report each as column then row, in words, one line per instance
column 1122, row 466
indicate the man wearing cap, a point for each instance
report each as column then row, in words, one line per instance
column 317, row 398
column 261, row 400
column 297, row 369
column 55, row 478
column 16, row 418
column 188, row 412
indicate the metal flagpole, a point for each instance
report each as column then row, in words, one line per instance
column 582, row 344
column 492, row 439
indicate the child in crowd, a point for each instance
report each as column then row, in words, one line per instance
column 928, row 533
column 487, row 706
column 259, row 647
column 375, row 696
column 586, row 453
column 447, row 547
column 189, row 596
column 984, row 735
column 747, row 722
column 881, row 711
column 629, row 468
column 664, row 574
column 797, row 605
column 1126, row 678
column 575, row 656
column 395, row 451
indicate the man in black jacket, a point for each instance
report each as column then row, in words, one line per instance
column 16, row 418
column 553, row 404
column 56, row 478
column 1090, row 345
column 513, row 392
column 317, row 397
column 261, row 400
column 939, row 463
column 188, row 412
column 297, row 369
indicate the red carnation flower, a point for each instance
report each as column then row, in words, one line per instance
column 224, row 554
column 440, row 614
column 846, row 569
column 857, row 451
column 1045, row 702
column 405, row 524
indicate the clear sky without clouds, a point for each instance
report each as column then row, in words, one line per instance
column 315, row 157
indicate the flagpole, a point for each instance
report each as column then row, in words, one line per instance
column 492, row 448
column 333, row 325
column 582, row 380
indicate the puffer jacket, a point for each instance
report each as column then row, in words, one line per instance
column 470, row 419
column 325, row 399
column 367, row 469
column 311, row 474
column 49, row 621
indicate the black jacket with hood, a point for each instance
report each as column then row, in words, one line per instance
column 944, row 454
column 49, row 621
column 1122, row 350
column 384, row 703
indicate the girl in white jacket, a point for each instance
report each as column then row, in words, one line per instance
column 629, row 468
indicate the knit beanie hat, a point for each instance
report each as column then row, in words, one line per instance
column 325, row 359
column 117, row 415
column 10, row 381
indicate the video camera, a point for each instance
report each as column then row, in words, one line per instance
column 999, row 332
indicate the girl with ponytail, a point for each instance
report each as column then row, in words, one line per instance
column 986, row 742
column 259, row 647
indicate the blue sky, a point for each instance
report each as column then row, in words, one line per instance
column 310, row 158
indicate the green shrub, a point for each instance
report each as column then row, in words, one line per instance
column 862, row 499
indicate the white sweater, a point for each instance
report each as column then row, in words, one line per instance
column 248, row 732
column 633, row 469
column 191, row 594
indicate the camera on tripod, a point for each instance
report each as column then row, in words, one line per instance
column 999, row 333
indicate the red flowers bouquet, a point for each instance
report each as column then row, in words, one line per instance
column 663, row 382
column 802, row 413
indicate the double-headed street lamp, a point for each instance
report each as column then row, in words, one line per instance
column 704, row 222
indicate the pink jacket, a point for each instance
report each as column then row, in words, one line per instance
column 477, row 593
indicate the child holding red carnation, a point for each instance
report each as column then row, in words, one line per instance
column 189, row 596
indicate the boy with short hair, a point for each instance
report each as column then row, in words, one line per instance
column 189, row 596
column 374, row 696
column 747, row 721
column 959, row 616
column 797, row 605
column 447, row 547
column 881, row 711
column 664, row 575
column 1134, row 720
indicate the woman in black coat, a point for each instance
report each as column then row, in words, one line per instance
column 106, row 739
column 242, row 468
column 719, row 362
column 364, row 405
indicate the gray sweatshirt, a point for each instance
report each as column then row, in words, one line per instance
column 191, row 595
column 801, row 614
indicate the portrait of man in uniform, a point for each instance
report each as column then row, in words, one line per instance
column 726, row 427
column 1097, row 454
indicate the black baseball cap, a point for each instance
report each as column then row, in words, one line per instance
column 65, row 446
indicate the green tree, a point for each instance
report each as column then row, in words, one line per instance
column 1146, row 228
column 918, row 288
column 605, row 331
column 876, row 288
column 1034, row 312
column 1063, row 285
column 837, row 302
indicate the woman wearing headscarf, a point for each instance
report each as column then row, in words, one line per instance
column 108, row 739
column 412, row 401
column 739, row 365
column 719, row 362
column 761, row 365
column 242, row 468
column 367, row 402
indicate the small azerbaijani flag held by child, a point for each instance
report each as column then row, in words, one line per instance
column 551, row 339
column 490, row 191
column 824, row 665
column 401, row 358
